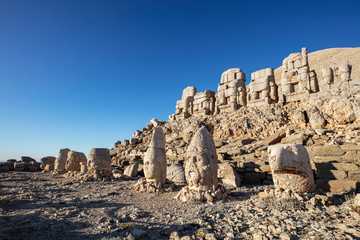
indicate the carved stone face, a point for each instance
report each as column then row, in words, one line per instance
column 199, row 172
column 60, row 160
column 99, row 159
column 73, row 161
column 291, row 168
column 201, row 166
column 155, row 158
column 150, row 169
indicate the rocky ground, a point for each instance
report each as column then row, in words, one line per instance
column 38, row 205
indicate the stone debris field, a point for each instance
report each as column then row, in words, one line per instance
column 44, row 206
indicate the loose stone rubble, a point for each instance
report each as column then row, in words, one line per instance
column 40, row 205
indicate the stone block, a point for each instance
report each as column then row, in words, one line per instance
column 4, row 168
column 252, row 181
column 265, row 168
column 235, row 152
column 354, row 176
column 330, row 174
column 131, row 170
column 240, row 170
column 336, row 186
column 338, row 166
column 346, row 166
column 350, row 147
column 351, row 156
column 228, row 176
column 18, row 166
column 326, row 159
column 252, row 176
column 296, row 138
column 250, row 169
column 218, row 143
column 274, row 138
column 175, row 173
column 328, row 151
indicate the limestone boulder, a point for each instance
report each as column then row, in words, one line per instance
column 114, row 151
column 26, row 159
column 175, row 173
column 131, row 170
column 18, row 166
column 83, row 167
column 5, row 167
column 299, row 118
column 274, row 138
column 11, row 164
column 48, row 160
column 155, row 122
column 357, row 201
column 133, row 141
column 49, row 167
column 291, row 168
column 342, row 109
column 316, row 118
column 228, row 176
column 73, row 161
column 60, row 160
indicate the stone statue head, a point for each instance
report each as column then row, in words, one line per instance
column 155, row 158
column 201, row 165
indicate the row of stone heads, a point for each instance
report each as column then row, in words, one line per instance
column 71, row 161
column 236, row 73
column 290, row 163
column 296, row 83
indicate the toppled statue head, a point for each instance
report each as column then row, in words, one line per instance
column 291, row 168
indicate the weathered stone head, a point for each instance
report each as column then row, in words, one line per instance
column 155, row 158
column 201, row 164
column 99, row 159
column 291, row 168
column 59, row 164
column 73, row 161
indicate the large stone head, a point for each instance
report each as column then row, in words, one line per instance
column 73, row 160
column 232, row 74
column 291, row 168
column 59, row 164
column 155, row 158
column 99, row 159
column 201, row 162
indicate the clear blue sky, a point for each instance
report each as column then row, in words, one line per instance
column 83, row 73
